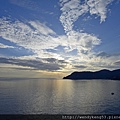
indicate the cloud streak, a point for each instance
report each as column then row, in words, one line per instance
column 5, row 46
column 29, row 4
column 36, row 64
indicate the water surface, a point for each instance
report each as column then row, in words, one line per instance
column 59, row 97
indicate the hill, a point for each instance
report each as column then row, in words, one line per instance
column 102, row 74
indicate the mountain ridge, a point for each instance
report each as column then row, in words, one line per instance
column 101, row 74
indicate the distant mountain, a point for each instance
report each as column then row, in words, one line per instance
column 102, row 74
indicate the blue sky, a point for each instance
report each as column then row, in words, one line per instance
column 59, row 35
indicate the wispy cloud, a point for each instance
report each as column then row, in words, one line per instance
column 29, row 4
column 80, row 67
column 5, row 46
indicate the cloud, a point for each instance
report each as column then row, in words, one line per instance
column 117, row 63
column 33, row 6
column 99, row 8
column 29, row 4
column 83, row 42
column 105, row 60
column 5, row 46
column 36, row 64
column 53, row 60
column 71, row 10
column 52, row 51
column 103, row 55
column 80, row 66
column 33, row 35
column 37, row 37
column 94, row 62
column 41, row 28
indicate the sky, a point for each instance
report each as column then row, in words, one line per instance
column 52, row 38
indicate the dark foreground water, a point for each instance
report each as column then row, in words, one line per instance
column 59, row 97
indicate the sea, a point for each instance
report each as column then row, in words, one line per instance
column 37, row 96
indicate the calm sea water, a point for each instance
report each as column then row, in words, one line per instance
column 59, row 97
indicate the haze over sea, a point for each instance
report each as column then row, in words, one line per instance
column 35, row 96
